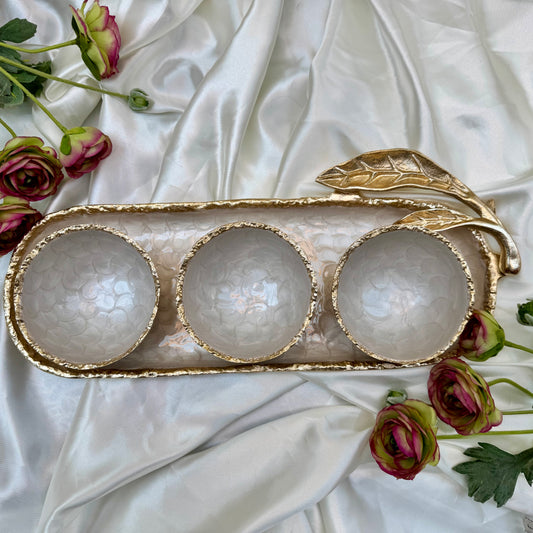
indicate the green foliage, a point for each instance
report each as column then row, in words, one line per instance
column 494, row 472
column 524, row 315
column 17, row 31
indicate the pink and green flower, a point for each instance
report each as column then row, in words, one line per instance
column 403, row 440
column 16, row 219
column 462, row 398
column 82, row 149
column 482, row 337
column 28, row 169
column 98, row 37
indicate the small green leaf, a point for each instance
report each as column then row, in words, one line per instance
column 14, row 98
column 10, row 54
column 24, row 77
column 36, row 86
column 524, row 315
column 65, row 147
column 5, row 86
column 17, row 31
column 494, row 472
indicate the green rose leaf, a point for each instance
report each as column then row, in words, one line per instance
column 35, row 86
column 14, row 97
column 5, row 86
column 17, row 30
column 524, row 315
column 10, row 54
column 494, row 472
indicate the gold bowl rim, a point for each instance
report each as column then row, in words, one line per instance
column 200, row 244
column 19, row 283
column 387, row 229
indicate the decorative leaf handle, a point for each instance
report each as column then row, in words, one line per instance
column 445, row 219
column 385, row 170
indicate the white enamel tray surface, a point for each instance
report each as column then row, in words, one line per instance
column 323, row 228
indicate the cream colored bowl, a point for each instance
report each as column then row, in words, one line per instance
column 246, row 292
column 402, row 294
column 86, row 296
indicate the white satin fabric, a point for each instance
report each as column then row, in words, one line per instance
column 254, row 99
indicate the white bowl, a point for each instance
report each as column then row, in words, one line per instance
column 402, row 294
column 245, row 292
column 86, row 296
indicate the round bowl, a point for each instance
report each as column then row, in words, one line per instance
column 245, row 292
column 86, row 296
column 402, row 294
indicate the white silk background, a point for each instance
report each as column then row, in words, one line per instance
column 254, row 98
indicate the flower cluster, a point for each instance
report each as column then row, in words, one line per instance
column 404, row 439
column 29, row 170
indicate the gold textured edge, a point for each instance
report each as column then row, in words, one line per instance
column 335, row 199
column 388, row 229
column 199, row 245
column 18, row 284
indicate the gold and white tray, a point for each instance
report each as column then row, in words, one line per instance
column 322, row 227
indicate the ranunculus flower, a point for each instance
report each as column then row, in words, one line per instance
column 16, row 219
column 138, row 100
column 82, row 149
column 462, row 398
column 404, row 440
column 28, row 169
column 98, row 38
column 482, row 337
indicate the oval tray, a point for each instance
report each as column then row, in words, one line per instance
column 323, row 227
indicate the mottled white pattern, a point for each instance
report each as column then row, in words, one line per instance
column 246, row 293
column 87, row 297
column 403, row 295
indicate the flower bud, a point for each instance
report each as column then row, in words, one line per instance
column 404, row 440
column 462, row 398
column 82, row 149
column 482, row 337
column 138, row 100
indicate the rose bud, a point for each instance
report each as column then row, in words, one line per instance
column 28, row 169
column 462, row 398
column 82, row 149
column 482, row 337
column 403, row 440
column 98, row 37
column 16, row 219
column 138, row 100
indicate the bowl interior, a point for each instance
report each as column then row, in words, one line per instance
column 403, row 295
column 88, row 297
column 246, row 294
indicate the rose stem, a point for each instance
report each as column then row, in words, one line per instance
column 38, row 50
column 517, row 346
column 55, row 78
column 522, row 412
column 33, row 98
column 6, row 126
column 488, row 433
column 510, row 382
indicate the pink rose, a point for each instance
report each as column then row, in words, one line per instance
column 404, row 440
column 28, row 169
column 82, row 149
column 482, row 337
column 98, row 38
column 16, row 219
column 461, row 397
